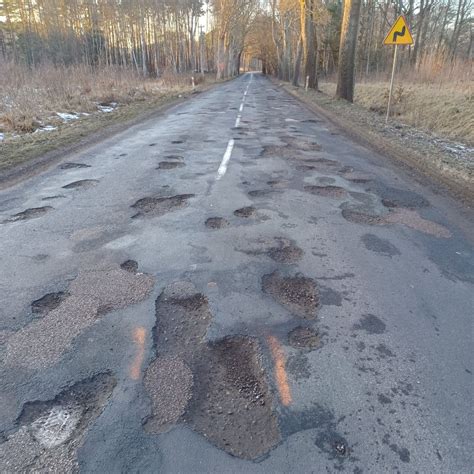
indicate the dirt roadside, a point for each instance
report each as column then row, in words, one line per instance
column 29, row 155
column 447, row 164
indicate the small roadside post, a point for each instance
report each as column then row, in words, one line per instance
column 399, row 34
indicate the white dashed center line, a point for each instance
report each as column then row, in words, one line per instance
column 230, row 146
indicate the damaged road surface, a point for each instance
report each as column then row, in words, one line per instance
column 207, row 292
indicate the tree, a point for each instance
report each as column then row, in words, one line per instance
column 347, row 50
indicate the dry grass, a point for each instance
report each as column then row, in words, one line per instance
column 30, row 99
column 447, row 110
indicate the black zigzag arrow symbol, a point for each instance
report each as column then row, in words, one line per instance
column 398, row 33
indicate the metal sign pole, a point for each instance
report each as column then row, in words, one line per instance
column 391, row 83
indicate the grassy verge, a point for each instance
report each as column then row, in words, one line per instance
column 446, row 162
column 444, row 109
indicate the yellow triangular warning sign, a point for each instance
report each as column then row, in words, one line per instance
column 399, row 33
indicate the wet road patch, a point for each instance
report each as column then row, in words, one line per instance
column 217, row 223
column 394, row 197
column 82, row 184
column 48, row 302
column 246, row 212
column 371, row 324
column 50, row 432
column 27, row 214
column 303, row 337
column 260, row 192
column 71, row 166
column 298, row 294
column 326, row 191
column 380, row 246
column 158, row 206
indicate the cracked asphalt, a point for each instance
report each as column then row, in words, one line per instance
column 235, row 286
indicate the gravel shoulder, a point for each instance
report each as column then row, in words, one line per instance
column 448, row 163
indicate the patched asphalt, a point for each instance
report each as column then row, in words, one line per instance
column 309, row 310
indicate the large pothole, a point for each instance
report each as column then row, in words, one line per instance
column 218, row 388
column 158, row 206
column 50, row 432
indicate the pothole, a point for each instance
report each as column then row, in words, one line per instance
column 285, row 252
column 304, row 338
column 217, row 223
column 52, row 198
column 232, row 405
column 260, row 192
column 130, row 266
column 279, row 249
column 326, row 191
column 158, row 206
column 277, row 183
column 81, row 184
column 31, row 213
column 361, row 217
column 302, row 144
column 246, row 212
column 170, row 165
column 70, row 166
column 298, row 294
column 48, row 302
column 50, row 432
column 93, row 293
column 218, row 388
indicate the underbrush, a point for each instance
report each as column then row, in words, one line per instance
column 30, row 99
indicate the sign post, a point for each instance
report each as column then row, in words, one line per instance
column 398, row 34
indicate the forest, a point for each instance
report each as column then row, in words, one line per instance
column 321, row 44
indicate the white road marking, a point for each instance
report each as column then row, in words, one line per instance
column 225, row 160
column 230, row 146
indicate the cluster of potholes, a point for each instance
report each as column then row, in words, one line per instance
column 149, row 206
column 219, row 388
column 398, row 206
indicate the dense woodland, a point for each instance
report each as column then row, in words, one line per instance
column 296, row 40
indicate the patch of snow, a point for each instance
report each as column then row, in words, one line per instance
column 46, row 128
column 103, row 108
column 2, row 137
column 66, row 117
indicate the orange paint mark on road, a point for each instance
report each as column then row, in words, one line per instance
column 139, row 334
column 280, row 370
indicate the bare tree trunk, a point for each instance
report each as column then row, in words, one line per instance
column 347, row 50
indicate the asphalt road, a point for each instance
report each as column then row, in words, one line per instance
column 234, row 286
